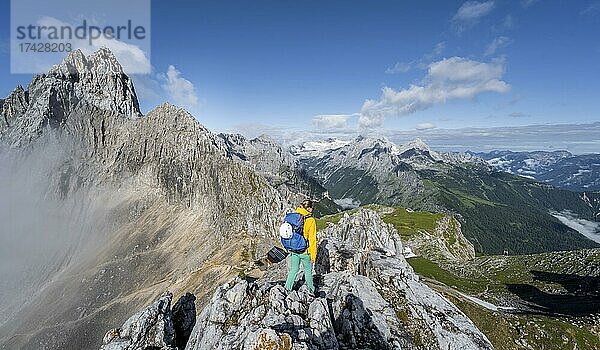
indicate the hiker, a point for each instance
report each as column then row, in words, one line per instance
column 308, row 256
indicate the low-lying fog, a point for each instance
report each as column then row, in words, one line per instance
column 41, row 235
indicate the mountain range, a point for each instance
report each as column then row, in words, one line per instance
column 558, row 168
column 104, row 209
column 499, row 211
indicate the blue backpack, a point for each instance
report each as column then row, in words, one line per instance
column 293, row 241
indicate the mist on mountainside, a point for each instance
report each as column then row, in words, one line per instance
column 43, row 234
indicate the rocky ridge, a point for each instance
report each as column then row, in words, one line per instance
column 370, row 298
column 277, row 165
column 175, row 198
column 377, row 171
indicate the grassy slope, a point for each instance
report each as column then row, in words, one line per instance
column 487, row 278
column 511, row 331
column 491, row 273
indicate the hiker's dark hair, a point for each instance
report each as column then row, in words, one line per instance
column 307, row 203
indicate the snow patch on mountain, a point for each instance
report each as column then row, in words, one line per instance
column 318, row 148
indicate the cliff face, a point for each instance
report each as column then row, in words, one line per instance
column 158, row 204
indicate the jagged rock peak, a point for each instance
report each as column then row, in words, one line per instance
column 366, row 231
column 103, row 61
column 374, row 146
column 14, row 105
column 74, row 63
column 66, row 95
column 98, row 79
column 417, row 144
column 265, row 139
column 171, row 115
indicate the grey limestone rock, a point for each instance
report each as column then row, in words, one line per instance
column 370, row 298
column 152, row 327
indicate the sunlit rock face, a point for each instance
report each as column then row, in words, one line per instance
column 369, row 298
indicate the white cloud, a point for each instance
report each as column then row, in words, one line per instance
column 179, row 89
column 331, row 121
column 370, row 120
column 459, row 69
column 497, row 44
column 425, row 126
column 470, row 13
column 527, row 3
column 590, row 229
column 448, row 79
column 421, row 63
column 132, row 58
column 400, row 67
column 473, row 10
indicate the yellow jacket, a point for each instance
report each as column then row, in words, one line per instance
column 310, row 233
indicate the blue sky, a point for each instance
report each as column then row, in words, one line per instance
column 321, row 66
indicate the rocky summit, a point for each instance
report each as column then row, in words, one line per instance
column 368, row 298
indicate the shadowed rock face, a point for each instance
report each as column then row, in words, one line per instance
column 369, row 298
column 155, row 327
column 164, row 206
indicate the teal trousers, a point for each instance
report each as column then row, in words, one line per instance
column 295, row 266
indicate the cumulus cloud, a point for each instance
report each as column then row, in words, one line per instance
column 179, row 89
column 370, row 120
column 470, row 13
column 425, row 126
column 497, row 44
column 331, row 121
column 448, row 79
